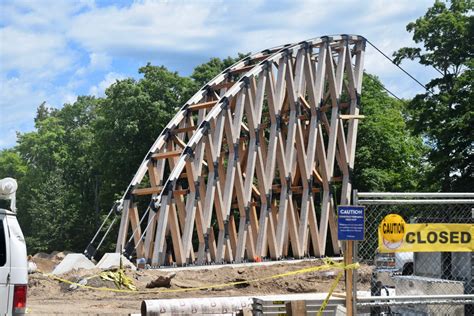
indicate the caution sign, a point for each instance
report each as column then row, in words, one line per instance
column 397, row 236
column 350, row 222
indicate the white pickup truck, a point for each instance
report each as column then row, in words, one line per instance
column 13, row 261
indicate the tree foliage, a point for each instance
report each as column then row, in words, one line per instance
column 129, row 119
column 388, row 157
column 444, row 116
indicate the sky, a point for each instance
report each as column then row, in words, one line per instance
column 54, row 50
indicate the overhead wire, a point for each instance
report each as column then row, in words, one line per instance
column 398, row 66
column 385, row 88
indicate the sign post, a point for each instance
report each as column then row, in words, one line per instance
column 350, row 227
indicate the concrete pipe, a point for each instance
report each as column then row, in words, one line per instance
column 196, row 306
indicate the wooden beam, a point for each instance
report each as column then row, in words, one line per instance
column 351, row 117
column 223, row 85
column 184, row 129
column 166, row 154
column 241, row 69
column 147, row 191
column 203, row 105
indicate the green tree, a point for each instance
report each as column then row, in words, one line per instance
column 11, row 165
column 129, row 120
column 54, row 215
column 388, row 157
column 444, row 116
column 57, row 187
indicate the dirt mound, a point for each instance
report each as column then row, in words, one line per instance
column 49, row 296
column 46, row 262
column 44, row 265
column 42, row 255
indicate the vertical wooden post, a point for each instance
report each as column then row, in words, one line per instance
column 349, row 279
column 295, row 308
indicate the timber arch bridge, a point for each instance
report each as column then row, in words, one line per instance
column 246, row 168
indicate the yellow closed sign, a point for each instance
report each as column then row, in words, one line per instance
column 397, row 236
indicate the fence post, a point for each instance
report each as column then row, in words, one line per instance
column 349, row 278
column 355, row 201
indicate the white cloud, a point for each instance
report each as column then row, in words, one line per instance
column 54, row 50
column 97, row 61
column 99, row 89
column 148, row 25
column 18, row 101
column 44, row 15
column 24, row 51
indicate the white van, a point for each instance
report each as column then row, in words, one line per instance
column 13, row 261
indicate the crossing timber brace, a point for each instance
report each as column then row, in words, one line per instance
column 247, row 167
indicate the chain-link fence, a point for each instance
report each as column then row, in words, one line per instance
column 448, row 277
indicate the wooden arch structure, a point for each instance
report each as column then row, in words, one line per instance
column 248, row 166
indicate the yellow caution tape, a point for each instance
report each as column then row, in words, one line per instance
column 329, row 264
column 333, row 287
column 119, row 278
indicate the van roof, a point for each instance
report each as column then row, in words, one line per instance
column 6, row 212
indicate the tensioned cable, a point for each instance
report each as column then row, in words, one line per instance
column 393, row 62
column 385, row 88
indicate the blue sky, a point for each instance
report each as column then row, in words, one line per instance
column 55, row 50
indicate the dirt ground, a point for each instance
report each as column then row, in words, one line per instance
column 47, row 296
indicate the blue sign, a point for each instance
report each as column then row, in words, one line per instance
column 350, row 222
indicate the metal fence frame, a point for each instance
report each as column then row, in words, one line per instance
column 412, row 198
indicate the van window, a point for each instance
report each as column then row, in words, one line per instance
column 3, row 247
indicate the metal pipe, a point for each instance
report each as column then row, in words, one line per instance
column 415, row 194
column 416, row 297
column 100, row 228
column 372, row 202
column 415, row 302
column 106, row 233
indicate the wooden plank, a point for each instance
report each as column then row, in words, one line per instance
column 191, row 205
column 203, row 105
column 295, row 189
column 313, row 228
column 295, row 308
column 351, row 116
column 122, row 235
column 293, row 228
column 342, row 106
column 260, row 58
column 159, row 251
column 153, row 174
column 136, row 231
column 184, row 129
column 176, row 236
column 241, row 69
column 223, row 85
column 167, row 154
column 147, row 191
column 150, row 234
column 178, row 141
column 349, row 278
